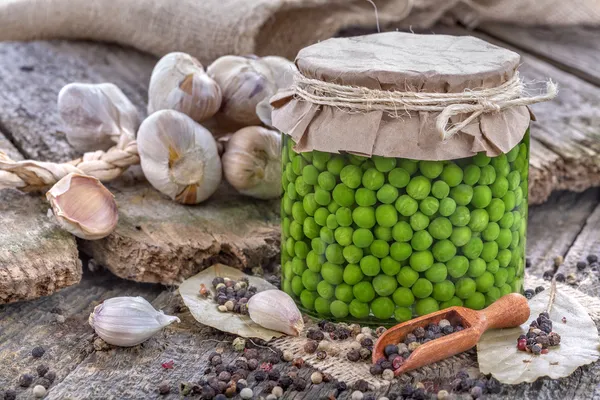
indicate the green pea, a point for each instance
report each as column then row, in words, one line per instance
column 358, row 309
column 301, row 249
column 387, row 194
column 482, row 196
column 473, row 248
column 363, row 291
column 440, row 189
column 399, row 178
column 343, row 292
column 512, row 155
column 440, row 228
column 476, row 301
column 298, row 266
column 504, row 257
column 431, row 169
column 488, row 175
column 298, row 212
column 490, row 251
column 351, row 176
column 500, row 277
column 383, row 232
column 481, row 159
column 509, row 200
column 504, row 238
column 389, row 266
column 365, row 197
column 352, row 254
column 364, row 217
column 493, row 266
column 288, row 271
column 402, row 314
column 370, row 265
column 333, row 253
column 379, row 248
column 461, row 216
column 318, row 245
column 325, row 290
column 332, row 222
column 343, row 195
column 457, row 266
column 298, row 164
column 402, row 232
column 437, row 273
column 383, row 308
column 471, row 175
column 289, row 173
column 500, row 164
column 484, row 282
column 476, row 267
column 338, row 309
column 409, row 166
column 421, row 240
column 447, row 207
column 343, row 235
column 505, row 289
column 479, row 220
column 422, row 288
column 335, row 165
column 352, row 274
column 406, row 205
column 429, row 206
column 289, row 246
column 322, row 306
column 506, row 221
column 309, row 204
column 310, row 174
column 426, row 306
column 407, row 276
column 384, row 285
column 452, row 175
column 291, row 191
column 403, row 297
column 310, row 228
column 384, row 164
column 518, row 196
column 492, row 295
column 373, row 179
column 443, row 291
column 296, row 230
column 362, row 238
column 310, row 279
column 419, row 221
column 314, row 261
column 499, row 187
column 420, row 261
column 444, row 250
column 287, row 204
column 515, row 240
column 418, row 188
column 307, row 298
column 320, row 159
column 491, row 232
column 462, row 194
column 302, row 188
column 453, row 302
column 322, row 197
column 332, row 273
column 333, row 207
column 465, row 288
column 495, row 210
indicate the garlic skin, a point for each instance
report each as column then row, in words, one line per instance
column 244, row 82
column 252, row 162
column 275, row 309
column 96, row 115
column 128, row 321
column 282, row 71
column 179, row 82
column 179, row 157
column 83, row 206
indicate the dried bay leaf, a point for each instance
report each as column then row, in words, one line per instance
column 204, row 309
column 497, row 352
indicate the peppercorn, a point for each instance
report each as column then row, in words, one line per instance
column 10, row 395
column 38, row 351
column 448, row 330
column 380, row 331
column 164, row 388
column 365, row 354
column 410, row 338
column 245, row 394
column 328, row 327
column 548, row 275
column 316, row 378
column 42, row 369
column 560, row 277
column 220, row 396
column 529, row 293
column 539, row 289
column 231, row 368
column 224, row 376
column 251, row 353
column 25, row 380
column 51, row 376
column 353, row 355
column 419, row 332
column 419, row 394
column 387, row 374
column 315, row 334
column 217, row 280
column 327, row 377
column 341, row 386
column 269, row 385
column 407, row 391
column 592, row 258
column 397, row 362
column 310, row 346
column 476, row 392
column 361, row 385
column 252, row 364
column 285, row 382
column 216, row 360
column 375, row 369
column 44, row 382
column 581, row 265
column 220, row 368
column 536, row 349
column 321, row 355
column 208, row 392
column 299, row 384
column 554, row 339
column 357, row 395
column 442, row 395
column 260, row 375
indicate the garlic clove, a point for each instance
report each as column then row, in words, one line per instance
column 244, row 83
column 179, row 82
column 275, row 309
column 83, row 206
column 252, row 162
column 128, row 321
column 96, row 115
column 179, row 157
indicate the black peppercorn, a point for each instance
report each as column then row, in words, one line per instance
column 321, row 355
column 269, row 385
column 407, row 390
column 42, row 369
column 310, row 346
column 217, row 280
column 419, row 332
column 241, row 372
column 38, row 351
column 361, row 385
column 341, row 386
column 285, row 382
column 433, row 328
column 273, row 358
column 369, row 396
column 329, row 327
column 315, row 334
column 390, row 349
column 25, row 380
column 220, row 368
column 536, row 349
column 224, row 376
column 581, row 265
column 386, row 365
column 560, row 277
column 216, row 360
column 44, row 382
column 208, row 392
column 220, row 396
column 260, row 375
column 448, row 329
column 365, row 353
column 353, row 355
column 539, row 289
column 366, row 342
column 493, row 386
column 274, row 375
column 252, row 364
column 419, row 394
column 527, row 263
column 51, row 376
column 410, row 338
column 231, row 368
column 241, row 364
column 547, row 276
column 299, row 384
column 251, row 353
column 327, row 377
column 592, row 258
column 10, row 395
column 375, row 369
column 529, row 293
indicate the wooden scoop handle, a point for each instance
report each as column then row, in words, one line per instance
column 508, row 311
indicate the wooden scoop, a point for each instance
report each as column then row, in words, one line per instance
column 509, row 311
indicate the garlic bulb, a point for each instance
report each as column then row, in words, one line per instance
column 83, row 206
column 95, row 115
column 178, row 82
column 252, row 162
column 179, row 157
column 244, row 83
column 128, row 321
column 282, row 71
column 275, row 309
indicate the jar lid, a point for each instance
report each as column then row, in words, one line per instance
column 320, row 116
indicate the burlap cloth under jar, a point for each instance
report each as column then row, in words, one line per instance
column 382, row 95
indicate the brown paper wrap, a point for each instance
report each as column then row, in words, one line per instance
column 402, row 62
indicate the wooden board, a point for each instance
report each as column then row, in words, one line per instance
column 37, row 258
column 156, row 240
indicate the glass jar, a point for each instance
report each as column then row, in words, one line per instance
column 381, row 240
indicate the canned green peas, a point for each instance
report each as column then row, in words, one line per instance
column 383, row 240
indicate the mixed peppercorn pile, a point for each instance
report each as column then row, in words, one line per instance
column 232, row 296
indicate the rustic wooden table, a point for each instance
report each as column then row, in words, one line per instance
column 158, row 241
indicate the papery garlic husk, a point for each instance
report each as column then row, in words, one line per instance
column 128, row 321
column 83, row 206
column 252, row 162
column 179, row 157
column 179, row 82
column 282, row 71
column 275, row 309
column 95, row 115
column 244, row 83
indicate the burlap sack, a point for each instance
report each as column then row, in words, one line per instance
column 208, row 29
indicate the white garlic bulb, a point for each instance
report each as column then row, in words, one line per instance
column 179, row 157
column 83, row 206
column 252, row 162
column 275, row 309
column 244, row 82
column 179, row 82
column 95, row 115
column 283, row 71
column 128, row 321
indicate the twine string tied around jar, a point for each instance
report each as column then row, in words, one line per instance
column 471, row 102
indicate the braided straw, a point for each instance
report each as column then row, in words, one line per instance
column 29, row 175
column 474, row 102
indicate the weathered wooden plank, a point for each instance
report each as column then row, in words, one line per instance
column 37, row 257
column 157, row 240
column 576, row 49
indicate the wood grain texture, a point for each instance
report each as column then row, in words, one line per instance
column 576, row 49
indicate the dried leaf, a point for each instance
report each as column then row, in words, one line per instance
column 498, row 355
column 205, row 310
